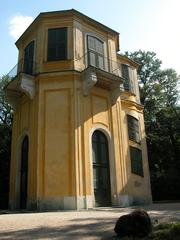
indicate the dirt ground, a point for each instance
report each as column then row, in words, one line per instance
column 90, row 224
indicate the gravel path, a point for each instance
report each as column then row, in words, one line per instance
column 91, row 224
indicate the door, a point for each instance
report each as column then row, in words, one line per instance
column 24, row 173
column 29, row 58
column 101, row 173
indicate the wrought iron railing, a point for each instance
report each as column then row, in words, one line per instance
column 110, row 66
column 23, row 66
column 104, row 64
column 100, row 62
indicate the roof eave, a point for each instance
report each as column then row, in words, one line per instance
column 134, row 63
column 69, row 12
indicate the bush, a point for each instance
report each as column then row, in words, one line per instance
column 168, row 231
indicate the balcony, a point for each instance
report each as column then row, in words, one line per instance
column 100, row 71
column 21, row 81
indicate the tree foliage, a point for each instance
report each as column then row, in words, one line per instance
column 159, row 95
column 5, row 143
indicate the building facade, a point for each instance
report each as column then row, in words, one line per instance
column 78, row 137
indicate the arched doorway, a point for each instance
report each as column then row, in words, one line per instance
column 101, row 173
column 24, row 173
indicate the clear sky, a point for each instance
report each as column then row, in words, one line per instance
column 151, row 25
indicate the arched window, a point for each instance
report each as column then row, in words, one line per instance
column 29, row 58
column 95, row 52
column 24, row 173
column 101, row 174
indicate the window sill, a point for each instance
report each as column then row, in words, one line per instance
column 57, row 65
column 137, row 174
column 134, row 143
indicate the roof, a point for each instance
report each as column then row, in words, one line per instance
column 129, row 60
column 69, row 13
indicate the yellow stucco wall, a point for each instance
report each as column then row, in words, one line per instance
column 24, row 124
column 60, row 121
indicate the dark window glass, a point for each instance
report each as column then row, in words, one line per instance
column 57, row 44
column 136, row 161
column 95, row 52
column 24, row 173
column 128, row 84
column 92, row 59
column 28, row 58
column 101, row 177
column 133, row 129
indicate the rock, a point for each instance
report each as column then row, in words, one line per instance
column 135, row 224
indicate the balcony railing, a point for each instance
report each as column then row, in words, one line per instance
column 109, row 66
column 100, row 62
column 104, row 64
column 23, row 66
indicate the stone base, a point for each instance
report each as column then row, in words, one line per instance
column 80, row 202
column 12, row 205
column 141, row 200
column 32, row 205
column 66, row 203
column 128, row 200
column 124, row 200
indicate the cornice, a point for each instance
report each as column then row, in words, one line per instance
column 130, row 103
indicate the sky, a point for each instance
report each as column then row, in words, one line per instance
column 150, row 25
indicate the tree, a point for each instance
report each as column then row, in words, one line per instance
column 159, row 95
column 5, row 143
column 5, row 108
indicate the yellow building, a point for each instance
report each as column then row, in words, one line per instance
column 78, row 136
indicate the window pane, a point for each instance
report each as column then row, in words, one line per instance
column 102, row 138
column 100, row 62
column 104, row 154
column 133, row 129
column 95, row 177
column 105, row 177
column 28, row 58
column 125, row 71
column 125, row 75
column 136, row 161
column 52, row 36
column 91, row 43
column 99, row 47
column 51, row 53
column 101, row 176
column 92, row 59
column 95, row 152
column 61, row 53
column 57, row 44
column 95, row 52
